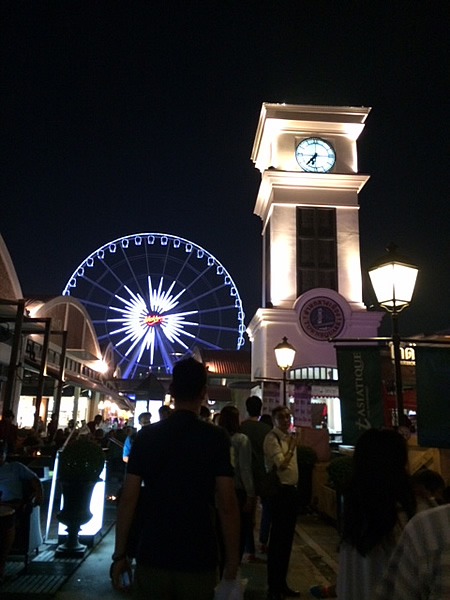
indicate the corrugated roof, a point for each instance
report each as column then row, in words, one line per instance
column 227, row 362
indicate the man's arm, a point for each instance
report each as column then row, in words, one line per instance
column 228, row 510
column 125, row 512
column 36, row 486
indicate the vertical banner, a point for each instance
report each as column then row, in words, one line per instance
column 433, row 389
column 302, row 405
column 271, row 396
column 359, row 390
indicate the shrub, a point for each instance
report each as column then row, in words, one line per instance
column 339, row 471
column 81, row 460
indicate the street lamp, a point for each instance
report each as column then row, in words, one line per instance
column 393, row 279
column 284, row 355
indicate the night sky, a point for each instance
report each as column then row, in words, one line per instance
column 127, row 117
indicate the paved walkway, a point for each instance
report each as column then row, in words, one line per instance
column 313, row 560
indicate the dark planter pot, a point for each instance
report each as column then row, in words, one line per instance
column 75, row 512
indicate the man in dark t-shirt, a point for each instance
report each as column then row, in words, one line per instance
column 185, row 466
column 256, row 431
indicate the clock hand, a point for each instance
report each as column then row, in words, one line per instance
column 312, row 160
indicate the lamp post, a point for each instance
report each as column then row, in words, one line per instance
column 393, row 279
column 284, row 355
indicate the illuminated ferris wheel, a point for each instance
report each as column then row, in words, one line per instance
column 155, row 297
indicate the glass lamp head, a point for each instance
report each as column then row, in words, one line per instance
column 393, row 279
column 284, row 354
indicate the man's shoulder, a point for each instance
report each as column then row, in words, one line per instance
column 432, row 515
column 18, row 469
column 254, row 426
column 432, row 520
column 182, row 422
column 212, row 431
column 272, row 437
column 13, row 465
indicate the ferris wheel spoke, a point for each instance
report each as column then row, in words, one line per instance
column 94, row 305
column 107, row 270
column 161, row 301
column 121, row 330
column 102, row 337
column 174, row 335
column 134, row 345
column 136, row 299
column 131, row 364
column 130, row 337
column 207, row 343
column 199, row 274
column 132, row 271
column 168, row 362
column 206, row 294
column 138, row 347
column 95, row 285
column 216, row 309
column 217, row 327
column 134, row 359
column 147, row 343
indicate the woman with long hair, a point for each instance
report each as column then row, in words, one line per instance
column 378, row 502
column 242, row 462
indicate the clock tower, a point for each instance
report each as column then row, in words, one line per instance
column 308, row 205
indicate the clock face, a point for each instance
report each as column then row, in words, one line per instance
column 322, row 318
column 315, row 155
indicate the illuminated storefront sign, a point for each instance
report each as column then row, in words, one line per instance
column 407, row 354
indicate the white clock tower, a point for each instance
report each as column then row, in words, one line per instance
column 308, row 204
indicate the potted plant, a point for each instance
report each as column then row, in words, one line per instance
column 79, row 468
column 339, row 472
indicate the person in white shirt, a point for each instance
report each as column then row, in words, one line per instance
column 280, row 451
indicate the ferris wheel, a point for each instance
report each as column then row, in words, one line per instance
column 155, row 297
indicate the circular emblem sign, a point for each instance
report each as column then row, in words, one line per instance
column 322, row 318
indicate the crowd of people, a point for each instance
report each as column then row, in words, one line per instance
column 193, row 482
column 382, row 507
column 114, row 436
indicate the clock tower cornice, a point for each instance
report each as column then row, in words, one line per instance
column 295, row 188
column 303, row 121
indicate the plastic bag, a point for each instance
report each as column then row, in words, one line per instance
column 230, row 589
